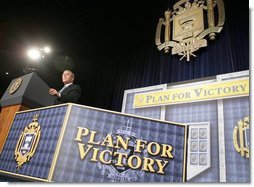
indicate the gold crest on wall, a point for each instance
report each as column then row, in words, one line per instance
column 190, row 26
column 241, row 137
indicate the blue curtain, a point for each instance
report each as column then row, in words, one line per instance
column 112, row 47
column 139, row 63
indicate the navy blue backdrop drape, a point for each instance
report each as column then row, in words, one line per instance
column 139, row 63
column 112, row 46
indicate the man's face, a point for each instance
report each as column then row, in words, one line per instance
column 67, row 77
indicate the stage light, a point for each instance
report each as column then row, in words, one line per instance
column 47, row 49
column 34, row 53
column 38, row 54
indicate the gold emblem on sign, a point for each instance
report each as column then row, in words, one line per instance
column 188, row 32
column 15, row 85
column 241, row 137
column 28, row 142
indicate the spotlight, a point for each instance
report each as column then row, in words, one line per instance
column 47, row 49
column 34, row 53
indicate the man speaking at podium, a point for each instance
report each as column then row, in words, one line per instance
column 70, row 92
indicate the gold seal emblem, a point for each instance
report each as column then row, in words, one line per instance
column 241, row 137
column 189, row 26
column 15, row 85
column 28, row 142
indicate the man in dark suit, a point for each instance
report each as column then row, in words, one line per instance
column 70, row 92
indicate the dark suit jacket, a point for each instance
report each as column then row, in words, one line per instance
column 70, row 94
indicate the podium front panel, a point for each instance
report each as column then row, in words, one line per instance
column 38, row 168
column 84, row 144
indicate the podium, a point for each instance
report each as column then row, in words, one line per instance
column 72, row 143
column 26, row 92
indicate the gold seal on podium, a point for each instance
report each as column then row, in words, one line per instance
column 27, row 143
column 15, row 85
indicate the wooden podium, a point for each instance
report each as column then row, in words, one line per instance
column 26, row 92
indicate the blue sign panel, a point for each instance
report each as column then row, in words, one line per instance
column 103, row 146
column 19, row 158
column 74, row 143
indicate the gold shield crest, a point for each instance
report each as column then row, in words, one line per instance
column 241, row 137
column 190, row 26
column 28, row 142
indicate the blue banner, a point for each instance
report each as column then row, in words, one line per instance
column 84, row 144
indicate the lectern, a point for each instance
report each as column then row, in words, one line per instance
column 26, row 92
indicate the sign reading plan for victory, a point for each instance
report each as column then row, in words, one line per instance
column 84, row 144
column 205, row 92
column 102, row 146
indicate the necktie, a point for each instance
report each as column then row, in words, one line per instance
column 62, row 89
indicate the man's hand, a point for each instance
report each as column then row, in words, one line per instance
column 53, row 91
